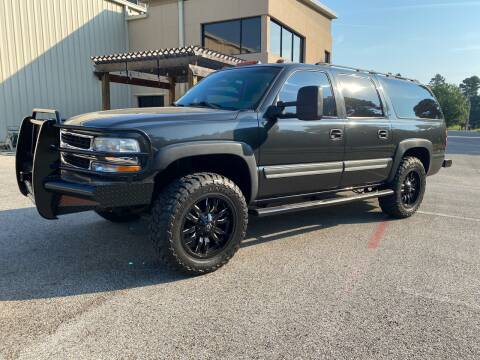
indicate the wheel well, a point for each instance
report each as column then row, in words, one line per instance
column 420, row 153
column 230, row 166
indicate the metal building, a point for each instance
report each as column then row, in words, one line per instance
column 45, row 51
column 46, row 46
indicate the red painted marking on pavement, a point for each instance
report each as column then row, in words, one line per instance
column 377, row 236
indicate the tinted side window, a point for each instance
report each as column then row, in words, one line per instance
column 361, row 96
column 308, row 78
column 411, row 100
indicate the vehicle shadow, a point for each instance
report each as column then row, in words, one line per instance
column 82, row 253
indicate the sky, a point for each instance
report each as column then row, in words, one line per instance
column 415, row 38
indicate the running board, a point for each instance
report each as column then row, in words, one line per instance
column 288, row 208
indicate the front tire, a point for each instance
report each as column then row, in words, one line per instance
column 409, row 188
column 198, row 222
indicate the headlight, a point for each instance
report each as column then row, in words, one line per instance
column 116, row 145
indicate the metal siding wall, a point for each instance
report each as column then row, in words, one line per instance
column 45, row 49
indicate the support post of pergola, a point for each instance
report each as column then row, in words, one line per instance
column 171, row 91
column 106, row 91
column 192, row 79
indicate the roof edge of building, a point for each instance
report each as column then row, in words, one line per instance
column 136, row 7
column 165, row 53
column 319, row 7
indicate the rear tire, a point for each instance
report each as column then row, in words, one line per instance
column 121, row 215
column 198, row 222
column 409, row 188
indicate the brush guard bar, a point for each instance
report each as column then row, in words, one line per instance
column 40, row 177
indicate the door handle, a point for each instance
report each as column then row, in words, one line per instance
column 336, row 134
column 382, row 134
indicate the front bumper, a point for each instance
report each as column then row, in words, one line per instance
column 57, row 191
column 76, row 196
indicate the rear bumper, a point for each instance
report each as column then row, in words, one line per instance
column 447, row 163
column 56, row 191
column 437, row 162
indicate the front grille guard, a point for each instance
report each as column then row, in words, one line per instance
column 38, row 158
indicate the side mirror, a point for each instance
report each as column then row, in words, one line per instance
column 310, row 103
column 273, row 112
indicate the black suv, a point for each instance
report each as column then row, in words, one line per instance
column 261, row 139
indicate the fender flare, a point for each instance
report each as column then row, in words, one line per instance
column 403, row 147
column 171, row 153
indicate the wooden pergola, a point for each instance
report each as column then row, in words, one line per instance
column 161, row 69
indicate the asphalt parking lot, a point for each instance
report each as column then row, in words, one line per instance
column 343, row 282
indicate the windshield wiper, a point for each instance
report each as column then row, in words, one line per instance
column 210, row 105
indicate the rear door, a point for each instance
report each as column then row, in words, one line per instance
column 369, row 145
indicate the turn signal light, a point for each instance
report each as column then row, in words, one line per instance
column 113, row 168
column 127, row 168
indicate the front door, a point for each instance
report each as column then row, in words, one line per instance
column 369, row 146
column 296, row 156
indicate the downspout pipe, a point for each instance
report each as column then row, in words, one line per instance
column 181, row 23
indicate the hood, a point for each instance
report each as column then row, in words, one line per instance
column 138, row 117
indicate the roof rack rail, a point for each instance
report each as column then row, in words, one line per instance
column 398, row 76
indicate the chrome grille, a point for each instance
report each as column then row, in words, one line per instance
column 76, row 161
column 75, row 141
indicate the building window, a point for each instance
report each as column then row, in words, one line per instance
column 327, row 57
column 151, row 101
column 251, row 41
column 285, row 42
column 233, row 37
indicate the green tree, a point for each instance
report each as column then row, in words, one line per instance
column 437, row 80
column 474, row 118
column 454, row 104
column 470, row 86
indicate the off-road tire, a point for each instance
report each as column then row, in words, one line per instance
column 121, row 215
column 393, row 205
column 169, row 209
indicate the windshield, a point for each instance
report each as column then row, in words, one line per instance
column 237, row 89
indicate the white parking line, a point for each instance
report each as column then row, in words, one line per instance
column 449, row 216
column 463, row 137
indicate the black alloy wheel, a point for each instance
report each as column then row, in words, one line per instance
column 198, row 221
column 408, row 186
column 411, row 189
column 208, row 226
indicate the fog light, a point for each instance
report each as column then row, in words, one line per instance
column 113, row 168
column 121, row 160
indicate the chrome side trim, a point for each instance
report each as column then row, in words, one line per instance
column 371, row 164
column 293, row 170
column 282, row 171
